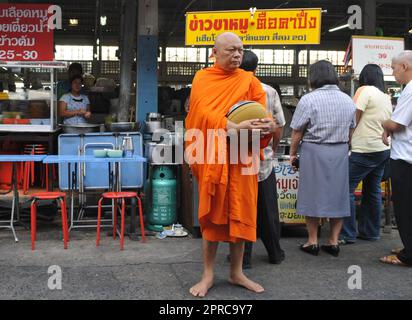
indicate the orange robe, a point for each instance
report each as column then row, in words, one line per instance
column 227, row 199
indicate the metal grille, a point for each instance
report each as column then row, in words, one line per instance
column 271, row 70
column 183, row 68
column 86, row 65
column 303, row 71
column 110, row 67
column 340, row 69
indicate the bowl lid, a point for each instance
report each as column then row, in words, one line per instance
column 238, row 105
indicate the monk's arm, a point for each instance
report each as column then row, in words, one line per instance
column 231, row 125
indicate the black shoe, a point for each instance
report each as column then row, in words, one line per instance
column 311, row 249
column 277, row 260
column 273, row 261
column 331, row 249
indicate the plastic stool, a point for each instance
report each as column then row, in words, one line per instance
column 116, row 196
column 33, row 212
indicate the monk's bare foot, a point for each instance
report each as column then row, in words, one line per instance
column 201, row 288
column 243, row 281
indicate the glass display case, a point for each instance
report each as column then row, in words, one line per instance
column 28, row 100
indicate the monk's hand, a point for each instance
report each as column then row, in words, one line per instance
column 87, row 115
column 272, row 124
column 265, row 125
column 248, row 124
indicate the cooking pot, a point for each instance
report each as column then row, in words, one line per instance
column 152, row 126
column 153, row 116
column 123, row 126
column 80, row 128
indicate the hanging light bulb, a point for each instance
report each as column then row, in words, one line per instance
column 74, row 22
column 103, row 20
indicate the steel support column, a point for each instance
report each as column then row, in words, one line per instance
column 147, row 51
column 128, row 22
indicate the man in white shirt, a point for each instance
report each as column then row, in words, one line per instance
column 400, row 129
column 268, row 225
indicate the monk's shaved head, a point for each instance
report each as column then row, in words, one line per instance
column 224, row 38
column 228, row 51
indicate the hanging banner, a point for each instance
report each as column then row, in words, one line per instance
column 24, row 32
column 377, row 50
column 287, row 183
column 260, row 27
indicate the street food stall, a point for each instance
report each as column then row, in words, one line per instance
column 29, row 103
column 28, row 77
column 28, row 111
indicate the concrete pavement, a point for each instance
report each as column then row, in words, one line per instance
column 165, row 269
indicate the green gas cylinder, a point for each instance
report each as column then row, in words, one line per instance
column 164, row 201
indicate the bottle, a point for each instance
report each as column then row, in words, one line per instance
column 127, row 147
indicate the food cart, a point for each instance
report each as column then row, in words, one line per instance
column 28, row 96
column 28, row 104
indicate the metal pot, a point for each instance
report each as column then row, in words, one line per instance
column 123, row 126
column 153, row 116
column 152, row 126
column 80, row 128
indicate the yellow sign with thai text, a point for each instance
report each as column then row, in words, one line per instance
column 260, row 27
column 287, row 184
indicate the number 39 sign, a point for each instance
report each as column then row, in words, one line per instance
column 377, row 50
column 25, row 33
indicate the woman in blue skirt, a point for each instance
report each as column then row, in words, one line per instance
column 322, row 123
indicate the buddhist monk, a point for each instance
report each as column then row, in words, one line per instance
column 227, row 197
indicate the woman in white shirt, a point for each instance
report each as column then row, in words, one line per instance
column 74, row 107
column 369, row 156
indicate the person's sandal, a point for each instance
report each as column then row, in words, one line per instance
column 396, row 251
column 392, row 260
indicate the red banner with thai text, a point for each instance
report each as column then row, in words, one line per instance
column 24, row 32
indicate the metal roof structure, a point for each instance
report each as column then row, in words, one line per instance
column 393, row 18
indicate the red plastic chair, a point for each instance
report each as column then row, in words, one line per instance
column 115, row 196
column 61, row 196
column 29, row 167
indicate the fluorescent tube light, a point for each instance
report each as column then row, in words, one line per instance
column 340, row 27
